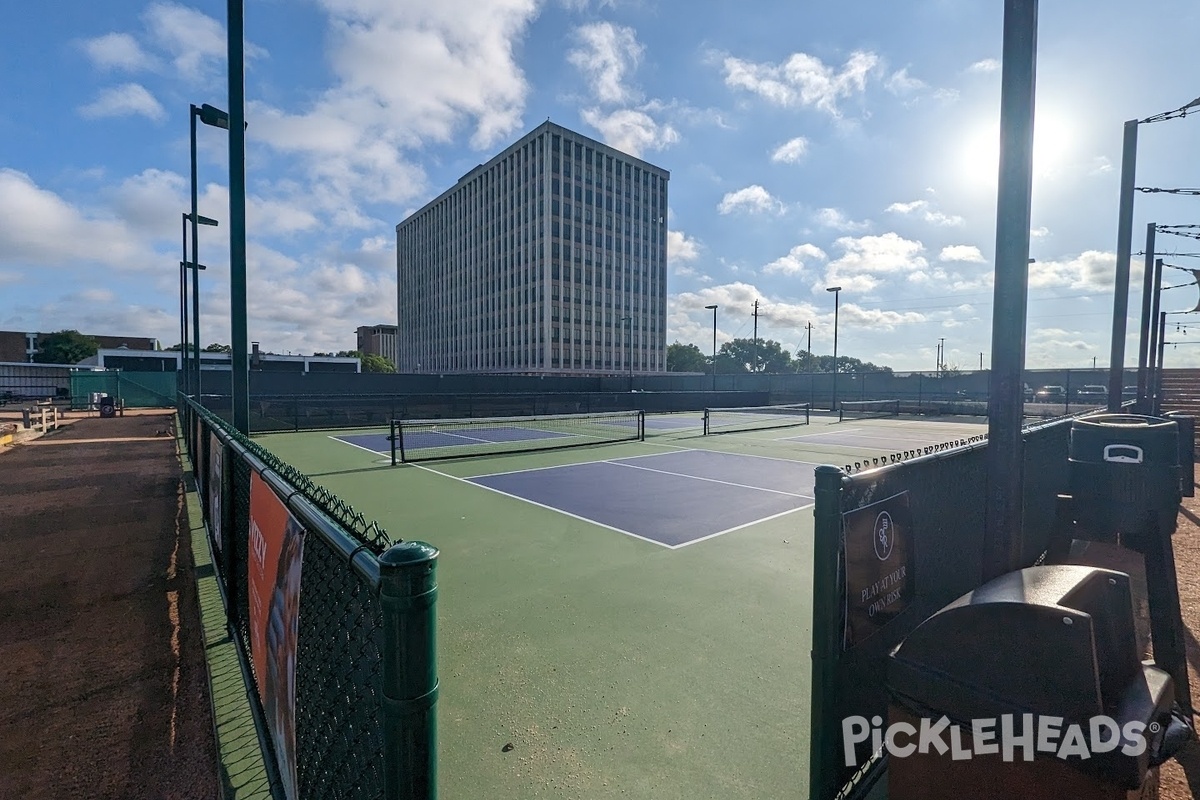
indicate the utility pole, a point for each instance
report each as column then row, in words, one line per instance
column 981, row 361
column 754, row 365
column 808, row 327
column 941, row 355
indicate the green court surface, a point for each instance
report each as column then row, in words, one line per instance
column 615, row 666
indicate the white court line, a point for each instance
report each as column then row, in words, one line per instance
column 360, row 447
column 572, row 464
column 472, row 482
column 739, row 527
column 711, row 480
column 818, row 433
column 447, row 433
column 543, row 505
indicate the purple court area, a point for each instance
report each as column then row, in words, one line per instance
column 672, row 423
column 378, row 442
column 672, row 499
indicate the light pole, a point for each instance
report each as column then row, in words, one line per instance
column 183, row 312
column 1116, row 366
column 714, row 364
column 629, row 349
column 941, row 355
column 837, row 295
column 218, row 119
column 193, row 362
column 239, row 359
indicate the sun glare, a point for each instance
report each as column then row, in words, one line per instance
column 979, row 156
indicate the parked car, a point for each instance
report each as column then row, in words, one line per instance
column 1092, row 393
column 1050, row 394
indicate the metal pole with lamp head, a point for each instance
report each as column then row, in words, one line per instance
column 837, row 294
column 714, row 364
column 219, row 119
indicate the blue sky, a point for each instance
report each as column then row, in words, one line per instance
column 809, row 144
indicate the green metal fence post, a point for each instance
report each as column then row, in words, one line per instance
column 826, row 637
column 408, row 589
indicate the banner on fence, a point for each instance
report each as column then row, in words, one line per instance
column 198, row 430
column 879, row 566
column 276, row 544
column 215, row 482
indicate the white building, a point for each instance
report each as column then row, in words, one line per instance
column 549, row 258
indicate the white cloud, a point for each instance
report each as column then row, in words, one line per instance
column 901, row 83
column 791, row 151
column 681, row 247
column 1091, row 270
column 966, row 253
column 926, row 213
column 803, row 81
column 195, row 41
column 985, row 66
column 837, row 220
column 866, row 258
column 1039, row 233
column 353, row 138
column 754, row 199
column 43, row 229
column 632, row 131
column 1100, row 166
column 124, row 100
column 610, row 53
column 794, row 262
column 117, row 51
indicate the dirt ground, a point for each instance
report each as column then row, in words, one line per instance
column 1180, row 777
column 103, row 688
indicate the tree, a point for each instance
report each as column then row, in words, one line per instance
column 370, row 361
column 174, row 348
column 739, row 356
column 65, row 347
column 686, row 358
column 218, row 348
column 374, row 363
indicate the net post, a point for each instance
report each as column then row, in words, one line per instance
column 706, row 422
column 408, row 591
column 392, row 439
column 642, row 425
column 807, row 414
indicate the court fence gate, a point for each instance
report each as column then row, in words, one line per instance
column 131, row 389
column 334, row 623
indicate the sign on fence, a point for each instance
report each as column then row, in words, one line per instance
column 879, row 566
column 215, row 484
column 276, row 545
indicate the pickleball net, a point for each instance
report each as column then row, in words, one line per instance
column 754, row 418
column 868, row 409
column 432, row 439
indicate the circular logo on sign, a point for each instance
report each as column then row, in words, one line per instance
column 885, row 536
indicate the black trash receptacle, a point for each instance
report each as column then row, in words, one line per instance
column 1053, row 642
column 1124, row 475
column 108, row 406
column 1187, row 451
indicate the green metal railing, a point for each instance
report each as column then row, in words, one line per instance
column 365, row 669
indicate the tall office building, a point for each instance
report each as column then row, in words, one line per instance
column 549, row 258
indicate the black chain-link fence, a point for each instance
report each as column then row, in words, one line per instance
column 346, row 703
